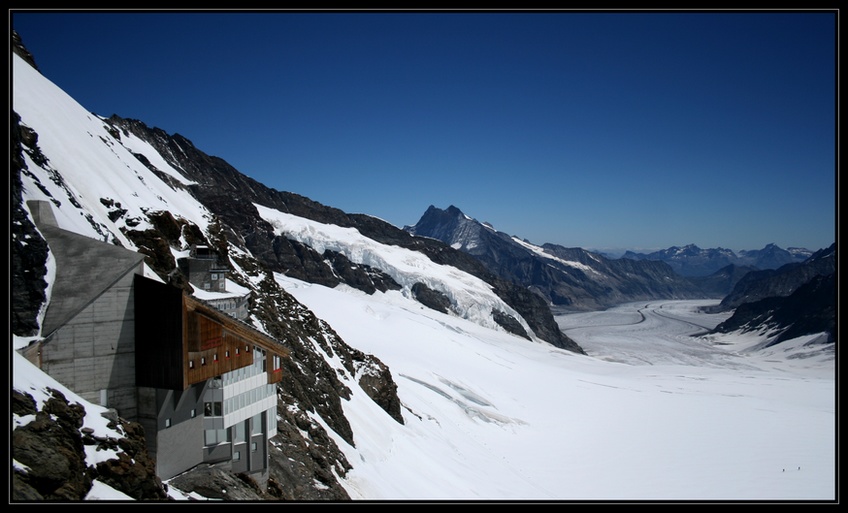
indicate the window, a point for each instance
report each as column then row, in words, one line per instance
column 215, row 436
column 193, row 413
column 227, row 354
column 212, row 409
column 236, row 455
column 191, row 364
column 202, row 360
column 214, row 276
column 253, row 447
column 239, row 435
column 277, row 362
column 167, row 422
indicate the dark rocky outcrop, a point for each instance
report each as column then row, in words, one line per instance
column 20, row 49
column 809, row 310
column 431, row 298
column 779, row 282
column 510, row 324
column 28, row 256
column 217, row 483
column 50, row 454
column 359, row 276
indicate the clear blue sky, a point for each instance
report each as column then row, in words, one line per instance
column 639, row 130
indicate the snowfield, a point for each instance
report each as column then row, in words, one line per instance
column 650, row 414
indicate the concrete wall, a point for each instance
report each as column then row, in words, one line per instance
column 182, row 443
column 95, row 350
column 173, row 426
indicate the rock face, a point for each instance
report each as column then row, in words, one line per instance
column 794, row 300
column 780, row 282
column 51, row 450
column 28, row 257
column 570, row 278
column 431, row 298
column 810, row 309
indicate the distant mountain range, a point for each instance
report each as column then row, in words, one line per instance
column 690, row 260
column 796, row 297
column 571, row 278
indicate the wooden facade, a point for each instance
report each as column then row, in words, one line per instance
column 181, row 341
column 217, row 343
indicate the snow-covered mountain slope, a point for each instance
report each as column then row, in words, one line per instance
column 86, row 165
column 470, row 297
column 483, row 413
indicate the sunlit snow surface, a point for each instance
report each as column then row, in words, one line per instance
column 650, row 414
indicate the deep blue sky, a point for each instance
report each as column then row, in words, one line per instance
column 639, row 130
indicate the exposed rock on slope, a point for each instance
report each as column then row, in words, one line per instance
column 780, row 282
column 810, row 309
column 28, row 257
column 51, row 449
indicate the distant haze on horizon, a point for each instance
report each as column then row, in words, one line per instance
column 602, row 130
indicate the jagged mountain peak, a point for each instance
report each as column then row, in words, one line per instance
column 449, row 225
column 453, row 210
